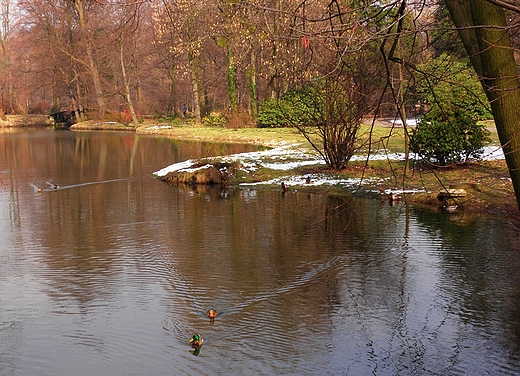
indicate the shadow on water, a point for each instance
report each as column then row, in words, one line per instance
column 479, row 264
column 113, row 272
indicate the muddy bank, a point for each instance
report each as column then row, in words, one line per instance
column 97, row 125
column 25, row 121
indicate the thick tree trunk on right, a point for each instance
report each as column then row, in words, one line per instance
column 483, row 29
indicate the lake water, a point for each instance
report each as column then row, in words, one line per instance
column 112, row 272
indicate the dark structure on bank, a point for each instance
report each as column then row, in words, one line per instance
column 64, row 119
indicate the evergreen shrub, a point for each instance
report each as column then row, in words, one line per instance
column 448, row 135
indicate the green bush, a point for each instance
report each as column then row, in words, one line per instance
column 448, row 80
column 448, row 135
column 164, row 118
column 296, row 107
column 272, row 114
column 215, row 119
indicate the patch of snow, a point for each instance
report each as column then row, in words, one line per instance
column 401, row 191
column 409, row 121
column 174, row 167
column 155, row 127
column 291, row 165
column 286, row 158
column 197, row 168
column 314, row 180
column 493, row 153
column 282, row 152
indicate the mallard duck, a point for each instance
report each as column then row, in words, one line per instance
column 450, row 209
column 308, row 180
column 196, row 341
column 284, row 188
column 212, row 313
column 394, row 196
column 52, row 185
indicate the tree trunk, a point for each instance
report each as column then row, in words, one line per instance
column 5, row 57
column 126, row 85
column 195, row 87
column 94, row 72
column 201, row 88
column 232, row 81
column 172, row 94
column 253, row 92
column 482, row 28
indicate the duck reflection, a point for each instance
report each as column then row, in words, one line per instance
column 195, row 352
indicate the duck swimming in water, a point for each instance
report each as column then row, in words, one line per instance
column 196, row 341
column 450, row 209
column 212, row 313
column 52, row 185
column 394, row 196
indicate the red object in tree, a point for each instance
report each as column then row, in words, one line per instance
column 306, row 42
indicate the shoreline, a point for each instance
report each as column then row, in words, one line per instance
column 10, row 122
column 491, row 192
column 487, row 189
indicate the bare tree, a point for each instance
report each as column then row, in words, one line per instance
column 128, row 24
column 330, row 120
column 86, row 41
column 4, row 44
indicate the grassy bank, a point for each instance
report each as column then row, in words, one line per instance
column 382, row 135
column 488, row 186
column 257, row 136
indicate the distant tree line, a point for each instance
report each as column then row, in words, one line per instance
column 213, row 55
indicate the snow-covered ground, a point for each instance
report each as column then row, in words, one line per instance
column 287, row 158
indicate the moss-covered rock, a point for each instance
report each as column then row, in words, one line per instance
column 217, row 173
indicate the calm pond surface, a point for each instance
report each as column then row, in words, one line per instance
column 112, row 273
